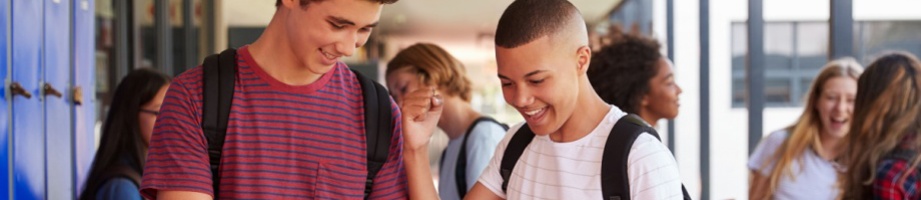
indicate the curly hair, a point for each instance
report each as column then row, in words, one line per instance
column 620, row 72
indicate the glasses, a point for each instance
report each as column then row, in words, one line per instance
column 155, row 113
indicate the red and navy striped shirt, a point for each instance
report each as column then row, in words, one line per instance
column 283, row 141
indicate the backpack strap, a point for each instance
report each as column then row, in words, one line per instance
column 460, row 170
column 615, row 183
column 378, row 127
column 513, row 151
column 220, row 72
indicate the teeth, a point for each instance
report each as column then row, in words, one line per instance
column 328, row 55
column 533, row 112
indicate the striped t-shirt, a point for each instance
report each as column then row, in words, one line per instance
column 283, row 141
column 572, row 170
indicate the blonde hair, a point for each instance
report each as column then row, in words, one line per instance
column 886, row 112
column 805, row 132
column 435, row 66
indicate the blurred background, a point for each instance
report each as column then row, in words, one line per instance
column 744, row 65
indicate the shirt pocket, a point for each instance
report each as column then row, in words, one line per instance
column 337, row 181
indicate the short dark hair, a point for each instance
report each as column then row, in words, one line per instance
column 527, row 20
column 305, row 2
column 620, row 72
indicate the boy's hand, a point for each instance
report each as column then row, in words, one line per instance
column 421, row 110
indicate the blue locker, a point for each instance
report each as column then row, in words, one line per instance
column 84, row 82
column 56, row 89
column 28, row 128
column 4, row 103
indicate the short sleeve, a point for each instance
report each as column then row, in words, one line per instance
column 490, row 178
column 652, row 170
column 480, row 149
column 177, row 159
column 760, row 158
column 391, row 179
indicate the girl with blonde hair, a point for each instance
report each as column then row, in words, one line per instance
column 798, row 162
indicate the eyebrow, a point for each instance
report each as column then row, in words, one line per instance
column 526, row 75
column 340, row 20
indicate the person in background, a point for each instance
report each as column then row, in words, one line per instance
column 473, row 137
column 631, row 74
column 798, row 162
column 119, row 161
column 881, row 153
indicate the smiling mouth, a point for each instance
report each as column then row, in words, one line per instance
column 839, row 120
column 328, row 55
column 533, row 112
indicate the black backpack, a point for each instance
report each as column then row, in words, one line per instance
column 460, row 170
column 615, row 184
column 219, row 75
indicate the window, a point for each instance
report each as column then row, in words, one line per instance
column 794, row 53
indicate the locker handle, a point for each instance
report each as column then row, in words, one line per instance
column 17, row 89
column 78, row 95
column 49, row 90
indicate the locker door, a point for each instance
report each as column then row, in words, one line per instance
column 58, row 128
column 4, row 102
column 28, row 130
column 84, row 76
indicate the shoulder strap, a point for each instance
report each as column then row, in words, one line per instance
column 513, row 151
column 460, row 170
column 378, row 127
column 219, row 73
column 615, row 183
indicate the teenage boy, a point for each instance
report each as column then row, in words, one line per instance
column 296, row 127
column 542, row 55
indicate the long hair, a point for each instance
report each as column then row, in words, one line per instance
column 435, row 66
column 805, row 132
column 121, row 133
column 886, row 112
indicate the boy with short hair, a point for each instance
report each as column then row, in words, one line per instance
column 542, row 55
column 296, row 126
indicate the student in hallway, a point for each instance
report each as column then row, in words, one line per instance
column 473, row 137
column 799, row 162
column 297, row 123
column 542, row 54
column 883, row 146
column 117, row 167
column 631, row 74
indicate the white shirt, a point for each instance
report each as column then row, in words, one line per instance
column 481, row 144
column 572, row 170
column 815, row 176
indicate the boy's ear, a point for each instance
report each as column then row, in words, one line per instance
column 584, row 54
column 290, row 3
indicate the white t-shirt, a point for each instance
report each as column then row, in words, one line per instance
column 815, row 176
column 572, row 170
column 481, row 144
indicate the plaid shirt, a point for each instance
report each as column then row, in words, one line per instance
column 888, row 176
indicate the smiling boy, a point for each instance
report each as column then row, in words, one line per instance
column 542, row 55
column 296, row 125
